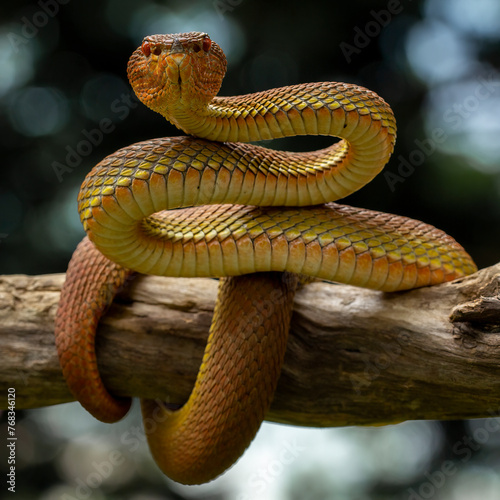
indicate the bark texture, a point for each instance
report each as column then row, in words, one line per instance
column 354, row 356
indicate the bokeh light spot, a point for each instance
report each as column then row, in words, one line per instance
column 16, row 70
column 480, row 18
column 38, row 111
column 437, row 53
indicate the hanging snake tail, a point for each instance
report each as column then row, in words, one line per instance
column 92, row 282
column 245, row 348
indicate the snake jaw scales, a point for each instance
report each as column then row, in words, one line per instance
column 265, row 218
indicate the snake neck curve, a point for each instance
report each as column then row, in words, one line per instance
column 180, row 75
column 324, row 108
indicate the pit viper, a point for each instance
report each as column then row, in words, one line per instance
column 210, row 204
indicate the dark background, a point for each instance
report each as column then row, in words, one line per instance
column 62, row 71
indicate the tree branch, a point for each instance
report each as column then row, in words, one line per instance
column 354, row 356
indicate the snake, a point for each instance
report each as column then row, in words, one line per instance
column 265, row 222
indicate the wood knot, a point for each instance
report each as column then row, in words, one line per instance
column 483, row 311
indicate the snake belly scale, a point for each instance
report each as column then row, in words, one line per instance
column 208, row 204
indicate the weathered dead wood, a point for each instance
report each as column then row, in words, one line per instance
column 354, row 356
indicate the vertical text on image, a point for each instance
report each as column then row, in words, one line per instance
column 11, row 439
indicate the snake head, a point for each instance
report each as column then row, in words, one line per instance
column 177, row 73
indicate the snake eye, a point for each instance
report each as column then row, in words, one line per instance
column 196, row 48
column 150, row 48
column 146, row 48
column 207, row 43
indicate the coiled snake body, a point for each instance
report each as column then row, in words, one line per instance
column 237, row 216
